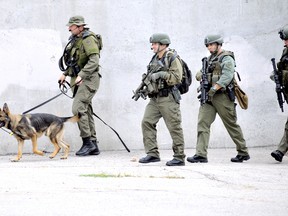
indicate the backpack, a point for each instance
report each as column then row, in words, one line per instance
column 186, row 81
column 99, row 41
column 98, row 38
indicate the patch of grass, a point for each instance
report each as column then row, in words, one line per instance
column 121, row 175
column 105, row 175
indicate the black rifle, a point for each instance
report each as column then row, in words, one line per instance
column 204, row 85
column 279, row 87
column 146, row 86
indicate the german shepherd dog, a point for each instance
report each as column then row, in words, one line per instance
column 33, row 126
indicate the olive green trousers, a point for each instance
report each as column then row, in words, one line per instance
column 226, row 110
column 167, row 108
column 283, row 145
column 82, row 104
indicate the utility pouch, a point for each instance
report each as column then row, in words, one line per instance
column 241, row 96
column 215, row 78
column 209, row 78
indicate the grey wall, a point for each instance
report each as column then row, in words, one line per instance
column 33, row 34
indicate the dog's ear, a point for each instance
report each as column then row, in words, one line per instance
column 5, row 108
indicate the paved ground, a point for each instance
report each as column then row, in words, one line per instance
column 112, row 184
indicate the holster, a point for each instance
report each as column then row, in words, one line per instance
column 230, row 91
column 164, row 92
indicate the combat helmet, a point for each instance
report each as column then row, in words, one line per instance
column 160, row 38
column 209, row 39
column 283, row 33
column 76, row 20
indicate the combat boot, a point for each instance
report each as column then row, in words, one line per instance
column 277, row 155
column 197, row 159
column 96, row 151
column 87, row 147
column 240, row 158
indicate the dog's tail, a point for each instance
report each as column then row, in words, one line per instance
column 73, row 119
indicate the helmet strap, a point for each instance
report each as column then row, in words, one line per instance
column 158, row 51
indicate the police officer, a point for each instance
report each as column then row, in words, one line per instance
column 283, row 66
column 163, row 103
column 81, row 55
column 221, row 72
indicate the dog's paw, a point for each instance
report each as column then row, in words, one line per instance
column 63, row 158
column 14, row 159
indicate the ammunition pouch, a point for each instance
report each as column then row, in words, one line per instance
column 214, row 73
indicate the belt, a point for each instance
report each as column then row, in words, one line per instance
column 161, row 93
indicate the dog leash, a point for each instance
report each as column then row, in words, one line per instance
column 64, row 89
column 10, row 133
column 113, row 130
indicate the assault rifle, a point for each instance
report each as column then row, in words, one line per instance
column 204, row 85
column 146, row 86
column 279, row 87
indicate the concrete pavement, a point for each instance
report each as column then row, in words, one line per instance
column 113, row 184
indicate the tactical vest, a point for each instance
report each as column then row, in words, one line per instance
column 282, row 65
column 162, row 65
column 164, row 61
column 214, row 66
column 80, row 48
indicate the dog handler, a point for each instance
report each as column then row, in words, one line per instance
column 81, row 56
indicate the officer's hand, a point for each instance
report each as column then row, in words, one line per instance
column 272, row 76
column 62, row 79
column 78, row 80
column 211, row 93
column 155, row 76
column 198, row 76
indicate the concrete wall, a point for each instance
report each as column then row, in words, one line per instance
column 33, row 34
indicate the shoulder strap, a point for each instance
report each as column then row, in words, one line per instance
column 226, row 53
column 173, row 58
column 229, row 53
column 152, row 58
